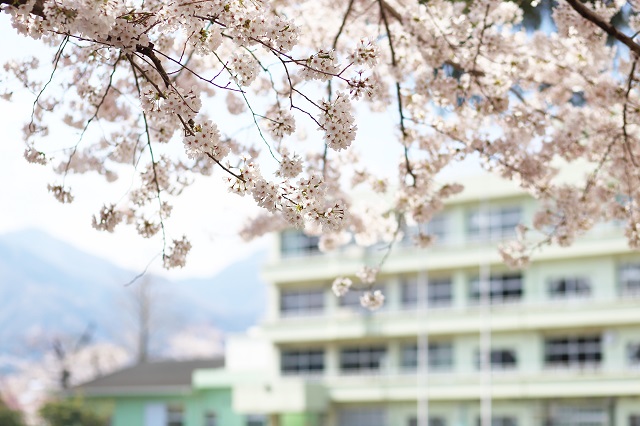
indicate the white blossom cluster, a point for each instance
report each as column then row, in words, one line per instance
column 280, row 123
column 207, row 41
column 60, row 193
column 108, row 219
column 205, row 140
column 372, row 300
column 290, row 166
column 365, row 54
column 320, row 66
column 176, row 257
column 338, row 123
column 35, row 157
column 244, row 68
column 341, row 286
column 369, row 299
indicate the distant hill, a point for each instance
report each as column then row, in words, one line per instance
column 48, row 287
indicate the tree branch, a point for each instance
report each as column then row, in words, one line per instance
column 149, row 53
column 607, row 27
column 38, row 7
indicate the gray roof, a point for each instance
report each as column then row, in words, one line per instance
column 149, row 377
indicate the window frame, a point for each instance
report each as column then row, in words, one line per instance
column 370, row 359
column 362, row 416
column 496, row 229
column 305, row 298
column 256, row 420
column 410, row 289
column 310, row 355
column 629, row 279
column 210, row 418
column 175, row 415
column 633, row 354
column 501, row 420
column 577, row 415
column 436, row 351
column 439, row 227
column 497, row 293
column 295, row 243
column 575, row 354
column 570, row 287
column 432, row 421
column 497, row 360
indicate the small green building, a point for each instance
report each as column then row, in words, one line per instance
column 161, row 394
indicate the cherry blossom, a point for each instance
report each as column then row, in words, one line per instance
column 372, row 300
column 341, row 286
column 149, row 87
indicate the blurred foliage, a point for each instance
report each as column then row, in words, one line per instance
column 70, row 412
column 9, row 417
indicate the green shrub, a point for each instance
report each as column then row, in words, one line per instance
column 70, row 412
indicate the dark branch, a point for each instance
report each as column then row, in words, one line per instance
column 607, row 27
column 38, row 7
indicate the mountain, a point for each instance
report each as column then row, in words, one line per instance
column 50, row 288
column 234, row 299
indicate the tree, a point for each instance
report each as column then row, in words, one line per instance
column 149, row 317
column 463, row 80
column 64, row 351
column 9, row 417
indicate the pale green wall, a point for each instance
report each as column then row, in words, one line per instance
column 129, row 410
column 217, row 400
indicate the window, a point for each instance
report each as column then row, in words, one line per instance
column 256, row 420
column 440, row 356
column 629, row 276
column 362, row 417
column 433, row 421
column 210, row 419
column 362, row 359
column 503, row 288
column 633, row 354
column 438, row 293
column 175, row 415
column 497, row 223
column 438, row 227
column 301, row 302
column 155, row 413
column 565, row 288
column 294, row 242
column 309, row 361
column 634, row 420
column 352, row 299
column 578, row 416
column 575, row 351
column 500, row 359
column 501, row 421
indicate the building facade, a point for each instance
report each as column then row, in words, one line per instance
column 160, row 394
column 557, row 343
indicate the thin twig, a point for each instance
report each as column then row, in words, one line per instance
column 394, row 64
column 624, row 114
